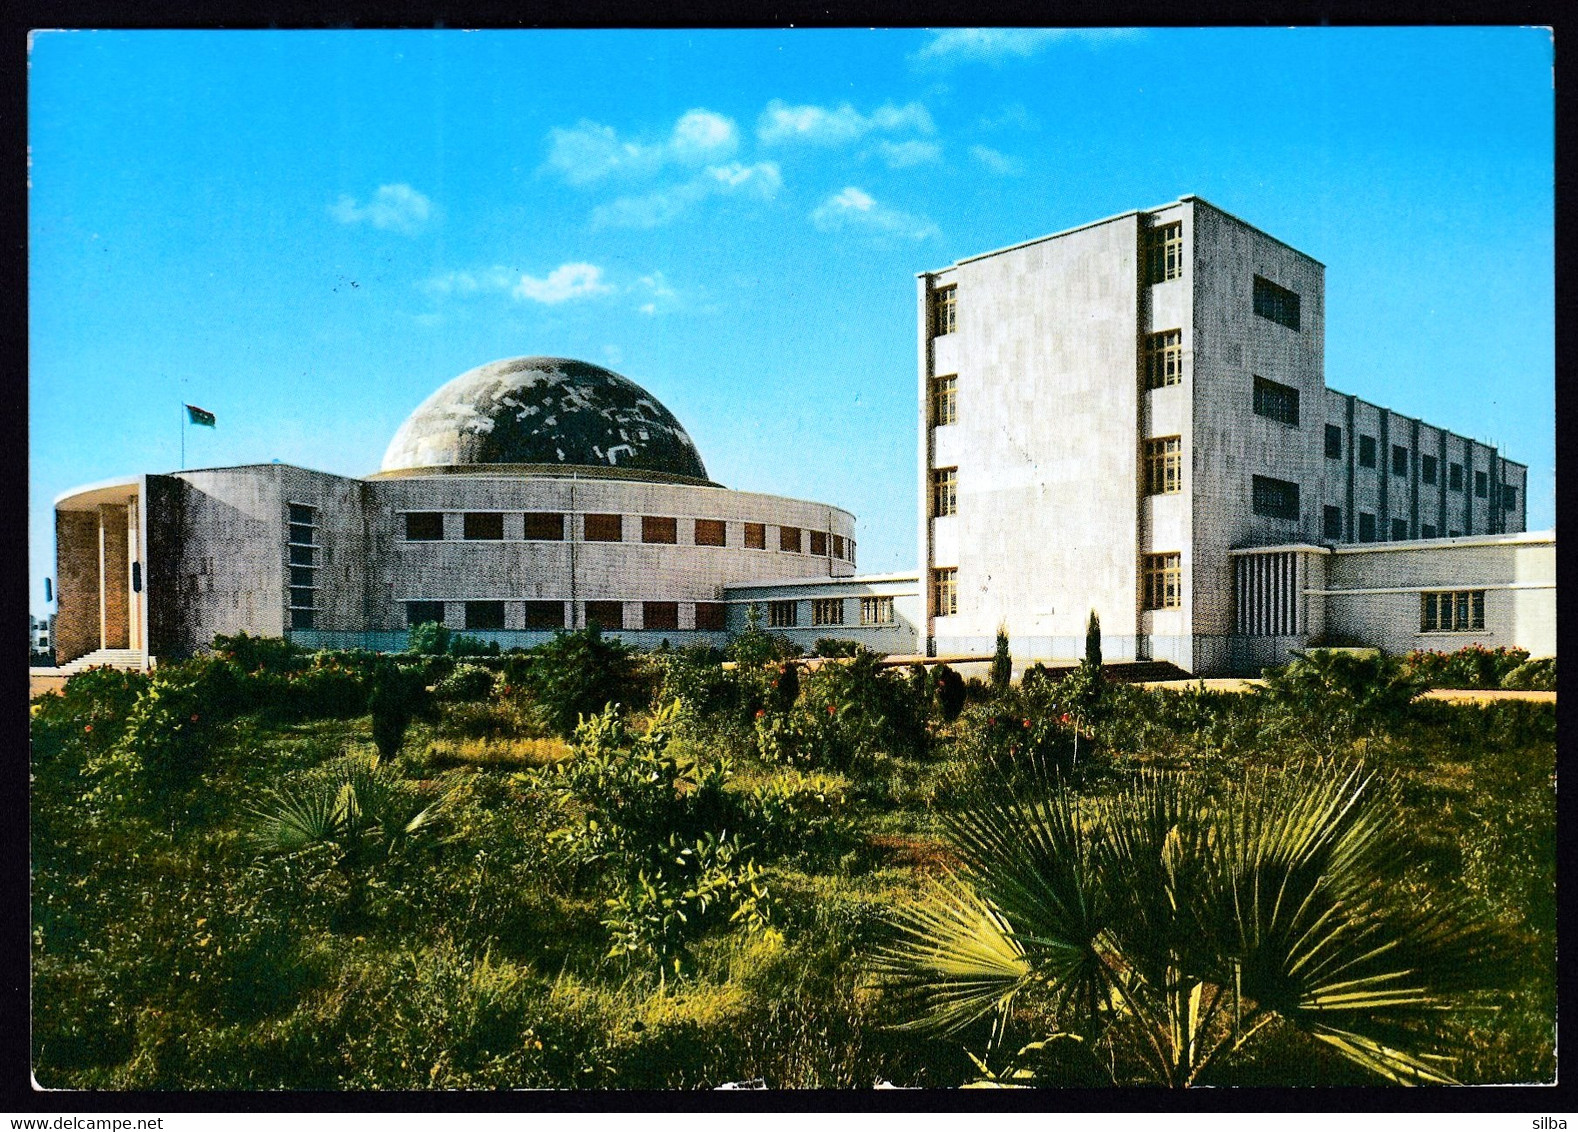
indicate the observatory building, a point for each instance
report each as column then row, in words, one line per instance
column 525, row 496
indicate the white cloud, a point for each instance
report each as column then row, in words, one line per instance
column 656, row 287
column 469, row 282
column 999, row 163
column 856, row 209
column 399, row 208
column 567, row 281
column 901, row 155
column 589, row 151
column 995, row 45
column 760, row 181
column 820, row 125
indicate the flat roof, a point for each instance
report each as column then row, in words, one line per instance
column 1185, row 199
column 1404, row 544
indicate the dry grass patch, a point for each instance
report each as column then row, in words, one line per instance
column 512, row 754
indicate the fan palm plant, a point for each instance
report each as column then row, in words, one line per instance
column 356, row 806
column 1180, row 925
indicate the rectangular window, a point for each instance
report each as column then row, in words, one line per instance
column 1276, row 303
column 488, row 525
column 1162, row 581
column 838, row 546
column 1399, row 460
column 944, row 311
column 782, row 614
column 303, row 513
column 1275, row 499
column 944, row 399
column 484, row 615
column 1481, row 485
column 1277, row 401
column 303, row 576
column 606, row 614
column 424, row 526
column 659, row 528
column 660, row 615
column 712, row 616
column 711, row 532
column 756, row 536
column 851, row 552
column 303, row 619
column 789, row 539
column 545, row 615
column 1164, row 465
column 604, row 528
column 1331, row 523
column 423, row 612
column 1399, row 530
column 1163, row 359
column 1333, row 442
column 827, row 611
column 945, row 592
column 876, row 611
column 1509, row 497
column 545, row 526
column 301, row 534
column 1427, row 530
column 1427, row 469
column 302, row 599
column 1366, row 451
column 1453, row 611
column 1455, row 477
column 944, row 492
column 303, row 556
column 819, row 543
column 1366, row 527
column 1164, row 252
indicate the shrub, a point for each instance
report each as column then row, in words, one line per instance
column 462, row 645
column 1325, row 699
column 1534, row 675
column 260, row 654
column 832, row 647
column 428, row 639
column 576, row 675
column 1002, row 663
column 949, row 687
column 1093, row 641
column 1473, row 666
column 397, row 696
column 468, row 683
column 753, row 646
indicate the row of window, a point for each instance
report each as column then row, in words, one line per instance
column 549, row 526
column 551, row 614
column 1331, row 527
column 302, row 566
column 830, row 611
column 1161, row 584
column 1428, row 467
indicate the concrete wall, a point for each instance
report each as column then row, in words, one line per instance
column 1046, row 354
column 1372, row 594
column 901, row 637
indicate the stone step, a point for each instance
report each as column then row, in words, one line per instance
column 107, row 658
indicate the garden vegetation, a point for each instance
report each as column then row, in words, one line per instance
column 584, row 867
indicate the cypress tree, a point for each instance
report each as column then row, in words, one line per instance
column 1093, row 641
column 1002, row 662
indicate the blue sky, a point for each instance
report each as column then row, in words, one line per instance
column 306, row 233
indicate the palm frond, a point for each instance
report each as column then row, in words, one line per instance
column 311, row 814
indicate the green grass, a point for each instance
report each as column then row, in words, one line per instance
column 168, row 953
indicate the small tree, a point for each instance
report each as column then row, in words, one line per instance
column 1093, row 641
column 579, row 674
column 1002, row 662
column 428, row 639
column 396, row 697
column 950, row 692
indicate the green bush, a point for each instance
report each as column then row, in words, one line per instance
column 949, row 687
column 1533, row 675
column 576, row 675
column 1473, row 666
column 468, row 683
column 428, row 639
column 397, row 696
column 1002, row 670
column 259, row 654
column 1327, row 699
column 833, row 647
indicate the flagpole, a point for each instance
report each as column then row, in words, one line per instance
column 183, row 437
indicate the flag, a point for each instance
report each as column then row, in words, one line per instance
column 200, row 416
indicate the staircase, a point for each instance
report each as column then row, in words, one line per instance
column 108, row 658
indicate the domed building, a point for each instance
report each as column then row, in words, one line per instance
column 526, row 496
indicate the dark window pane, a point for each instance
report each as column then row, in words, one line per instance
column 488, row 525
column 422, row 612
column 710, row 532
column 302, row 619
column 660, row 615
column 302, row 534
column 484, row 615
column 711, row 615
column 545, row 615
column 756, row 536
column 1455, row 477
column 656, row 528
column 789, row 539
column 604, row 528
column 1481, row 484
column 1399, row 460
column 1276, row 499
column 547, row 526
column 606, row 614
column 424, row 526
column 300, row 513
column 1427, row 530
column 303, row 576
column 1427, row 469
column 1366, row 527
column 1509, row 497
column 303, row 555
column 1399, row 530
column 1366, row 451
column 819, row 543
column 1277, row 401
column 304, row 598
column 1332, row 523
column 1333, row 442
column 1276, row 303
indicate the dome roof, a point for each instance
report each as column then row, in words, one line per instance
column 545, row 411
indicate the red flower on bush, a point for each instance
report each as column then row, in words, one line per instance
column 1027, row 723
column 831, row 710
column 87, row 727
column 1065, row 718
column 194, row 717
column 760, row 712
